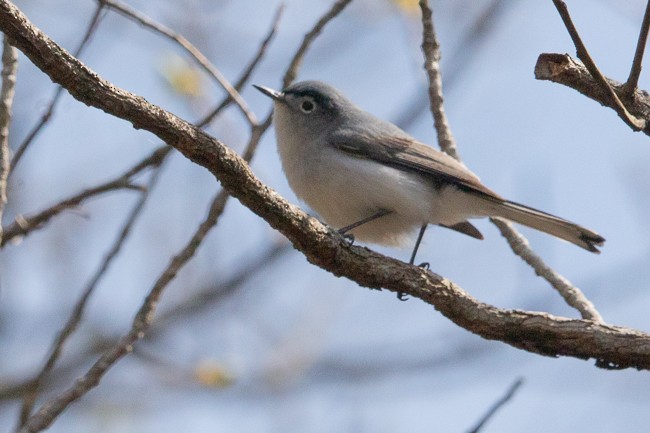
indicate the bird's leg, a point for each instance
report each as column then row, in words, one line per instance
column 424, row 265
column 372, row 217
column 417, row 246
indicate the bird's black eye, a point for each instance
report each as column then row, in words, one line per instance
column 307, row 106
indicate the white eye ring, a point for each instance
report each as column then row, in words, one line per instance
column 307, row 105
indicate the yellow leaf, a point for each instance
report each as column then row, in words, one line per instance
column 408, row 6
column 213, row 374
column 182, row 77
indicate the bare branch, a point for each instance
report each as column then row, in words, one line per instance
column 611, row 346
column 49, row 111
column 203, row 61
column 431, row 50
column 518, row 243
column 292, row 70
column 581, row 50
column 633, row 79
column 498, row 405
column 25, row 225
column 29, row 398
column 9, row 67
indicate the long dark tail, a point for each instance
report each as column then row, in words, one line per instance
column 550, row 224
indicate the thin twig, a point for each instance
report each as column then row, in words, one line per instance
column 246, row 74
column 431, row 50
column 581, row 51
column 571, row 294
column 49, row 111
column 633, row 79
column 9, row 68
column 516, row 240
column 29, row 399
column 292, row 70
column 498, row 405
column 203, row 61
column 25, row 225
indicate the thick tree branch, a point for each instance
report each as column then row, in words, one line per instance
column 611, row 346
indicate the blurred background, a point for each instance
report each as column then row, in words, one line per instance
column 250, row 336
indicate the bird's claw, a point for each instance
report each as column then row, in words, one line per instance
column 349, row 238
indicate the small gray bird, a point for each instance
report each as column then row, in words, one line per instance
column 367, row 177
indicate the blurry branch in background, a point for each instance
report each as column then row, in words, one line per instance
column 45, row 118
column 518, row 243
column 194, row 304
column 9, row 67
column 498, row 405
column 29, row 399
column 25, row 225
column 50, row 410
column 219, row 291
column 562, row 69
column 200, row 58
column 66, row 369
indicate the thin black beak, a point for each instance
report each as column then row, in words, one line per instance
column 273, row 94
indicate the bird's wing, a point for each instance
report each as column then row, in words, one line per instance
column 403, row 152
